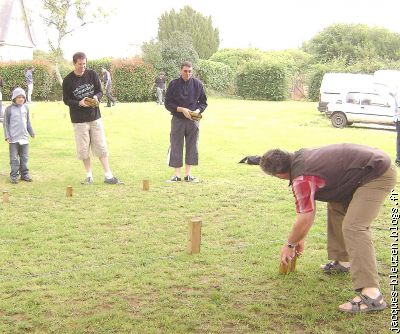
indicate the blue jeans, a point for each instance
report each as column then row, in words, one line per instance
column 21, row 164
column 29, row 93
column 160, row 92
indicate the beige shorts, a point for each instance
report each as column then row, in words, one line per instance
column 90, row 135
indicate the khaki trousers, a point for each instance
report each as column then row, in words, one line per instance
column 349, row 235
column 90, row 135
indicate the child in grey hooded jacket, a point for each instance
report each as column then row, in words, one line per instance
column 17, row 128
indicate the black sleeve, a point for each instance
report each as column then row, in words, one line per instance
column 202, row 102
column 170, row 103
column 67, row 92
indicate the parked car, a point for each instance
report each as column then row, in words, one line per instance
column 363, row 107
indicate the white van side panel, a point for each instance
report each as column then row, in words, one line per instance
column 334, row 84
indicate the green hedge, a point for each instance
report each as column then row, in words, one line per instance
column 56, row 89
column 13, row 75
column 315, row 79
column 236, row 58
column 97, row 64
column 263, row 80
column 260, row 75
column 132, row 80
column 215, row 76
column 294, row 61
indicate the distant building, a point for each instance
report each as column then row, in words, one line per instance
column 16, row 35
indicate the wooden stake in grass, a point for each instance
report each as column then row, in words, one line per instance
column 69, row 191
column 5, row 196
column 194, row 236
column 288, row 268
column 146, row 184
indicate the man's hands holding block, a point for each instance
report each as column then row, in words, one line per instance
column 89, row 102
column 289, row 267
column 195, row 116
column 92, row 103
column 289, row 254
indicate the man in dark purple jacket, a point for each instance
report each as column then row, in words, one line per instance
column 354, row 180
column 184, row 95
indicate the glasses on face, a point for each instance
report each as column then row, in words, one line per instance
column 187, row 71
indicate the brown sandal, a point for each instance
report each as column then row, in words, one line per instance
column 377, row 304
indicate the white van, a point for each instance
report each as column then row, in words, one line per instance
column 333, row 85
column 373, row 106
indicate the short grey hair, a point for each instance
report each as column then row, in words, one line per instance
column 186, row 64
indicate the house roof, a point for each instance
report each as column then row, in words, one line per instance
column 6, row 8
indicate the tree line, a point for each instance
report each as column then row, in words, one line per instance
column 249, row 73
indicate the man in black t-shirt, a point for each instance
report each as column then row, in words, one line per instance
column 88, row 125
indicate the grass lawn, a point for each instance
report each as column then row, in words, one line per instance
column 112, row 259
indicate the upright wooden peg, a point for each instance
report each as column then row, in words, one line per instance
column 293, row 264
column 5, row 196
column 146, row 184
column 194, row 236
column 69, row 191
column 289, row 268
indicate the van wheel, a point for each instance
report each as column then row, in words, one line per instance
column 339, row 120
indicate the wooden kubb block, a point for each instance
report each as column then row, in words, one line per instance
column 289, row 268
column 69, row 191
column 194, row 236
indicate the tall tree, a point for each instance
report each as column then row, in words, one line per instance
column 204, row 36
column 174, row 51
column 63, row 17
column 352, row 43
column 151, row 54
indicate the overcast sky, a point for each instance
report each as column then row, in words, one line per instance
column 263, row 24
